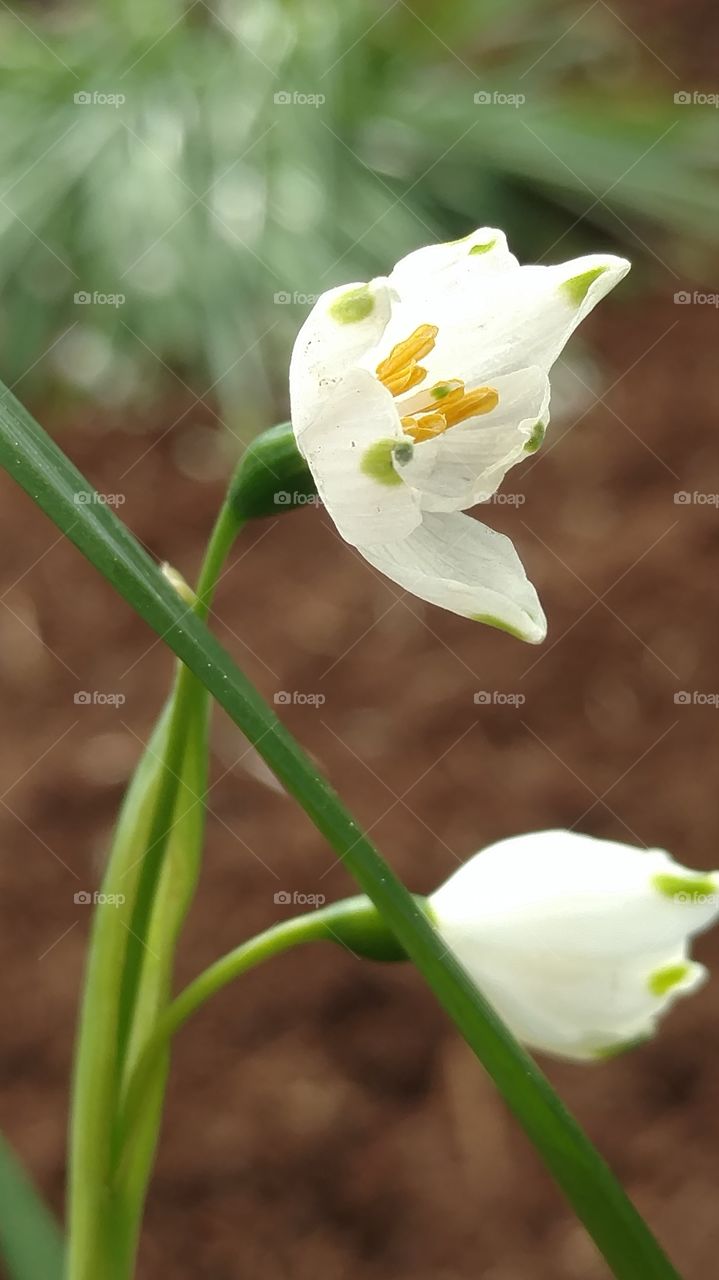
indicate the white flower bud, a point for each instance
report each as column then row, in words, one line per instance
column 579, row 944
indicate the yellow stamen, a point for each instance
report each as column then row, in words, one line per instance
column 404, row 379
column 483, row 400
column 407, row 353
column 400, row 372
column 426, row 427
column 456, row 407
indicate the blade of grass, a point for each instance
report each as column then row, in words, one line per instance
column 30, row 1240
column 60, row 490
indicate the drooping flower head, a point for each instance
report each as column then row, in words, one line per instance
column 413, row 395
column 579, row 944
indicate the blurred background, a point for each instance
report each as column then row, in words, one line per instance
column 178, row 182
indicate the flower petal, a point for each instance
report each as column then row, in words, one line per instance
column 344, row 324
column 574, row 1012
column 459, row 564
column 349, row 443
column 467, row 463
column 588, row 896
column 507, row 321
column 455, row 265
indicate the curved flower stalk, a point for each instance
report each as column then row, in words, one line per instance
column 413, row 395
column 580, row 944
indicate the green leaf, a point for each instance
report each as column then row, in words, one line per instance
column 54, row 483
column 30, row 1240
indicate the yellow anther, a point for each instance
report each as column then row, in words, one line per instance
column 456, row 407
column 406, row 354
column 404, row 379
column 425, row 427
column 400, row 372
column 483, row 400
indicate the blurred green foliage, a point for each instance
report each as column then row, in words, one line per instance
column 218, row 210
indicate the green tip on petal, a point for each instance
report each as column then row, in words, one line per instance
column 610, row 1051
column 577, row 288
column 662, row 980
column 377, row 461
column 685, row 888
column 536, row 439
column 483, row 248
column 440, row 391
column 498, row 623
column 352, row 306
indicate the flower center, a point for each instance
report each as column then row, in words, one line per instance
column 400, row 371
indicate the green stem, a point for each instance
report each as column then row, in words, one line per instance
column 227, row 526
column 115, row 952
column 271, row 943
column 182, row 700
column 353, row 923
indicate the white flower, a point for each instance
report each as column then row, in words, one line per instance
column 413, row 395
column 579, row 944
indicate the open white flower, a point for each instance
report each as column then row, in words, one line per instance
column 414, row 394
column 579, row 944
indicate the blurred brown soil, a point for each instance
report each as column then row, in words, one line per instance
column 323, row 1119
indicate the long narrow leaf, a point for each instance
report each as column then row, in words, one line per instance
column 54, row 484
column 30, row 1241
